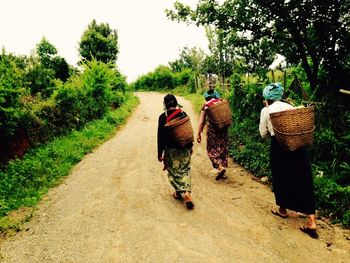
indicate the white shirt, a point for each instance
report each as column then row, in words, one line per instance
column 265, row 126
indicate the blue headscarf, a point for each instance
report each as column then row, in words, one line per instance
column 211, row 94
column 274, row 91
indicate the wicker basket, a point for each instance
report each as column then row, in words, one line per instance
column 220, row 114
column 294, row 128
column 180, row 130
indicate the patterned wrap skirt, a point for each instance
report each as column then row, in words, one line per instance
column 217, row 145
column 292, row 179
column 178, row 163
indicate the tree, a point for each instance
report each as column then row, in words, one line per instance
column 50, row 60
column 223, row 52
column 210, row 66
column 190, row 58
column 43, row 67
column 46, row 52
column 10, row 95
column 100, row 42
column 314, row 33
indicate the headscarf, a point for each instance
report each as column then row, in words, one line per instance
column 274, row 91
column 211, row 94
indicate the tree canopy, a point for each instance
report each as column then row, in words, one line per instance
column 49, row 59
column 190, row 58
column 311, row 32
column 100, row 42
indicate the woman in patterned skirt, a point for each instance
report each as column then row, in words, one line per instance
column 217, row 139
column 177, row 159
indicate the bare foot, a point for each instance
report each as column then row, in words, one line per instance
column 188, row 201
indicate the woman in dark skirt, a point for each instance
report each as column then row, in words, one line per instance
column 291, row 170
column 217, row 140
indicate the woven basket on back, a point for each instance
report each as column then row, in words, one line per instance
column 220, row 114
column 294, row 128
column 180, row 130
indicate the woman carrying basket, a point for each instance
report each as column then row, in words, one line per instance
column 176, row 158
column 291, row 170
column 217, row 139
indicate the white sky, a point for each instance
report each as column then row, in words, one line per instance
column 146, row 37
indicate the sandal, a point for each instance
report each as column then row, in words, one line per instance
column 310, row 231
column 189, row 205
column 177, row 195
column 188, row 201
column 220, row 174
column 278, row 213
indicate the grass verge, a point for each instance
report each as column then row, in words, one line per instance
column 26, row 180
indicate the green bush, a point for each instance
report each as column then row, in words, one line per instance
column 183, row 77
column 40, row 79
column 39, row 121
column 97, row 81
column 247, row 148
column 333, row 199
column 36, row 105
column 331, row 133
column 70, row 105
column 162, row 78
column 10, row 96
column 24, row 181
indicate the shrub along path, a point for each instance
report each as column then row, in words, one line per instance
column 116, row 207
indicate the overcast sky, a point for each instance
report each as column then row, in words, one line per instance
column 146, row 37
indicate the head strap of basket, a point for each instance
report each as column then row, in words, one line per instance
column 273, row 91
column 211, row 94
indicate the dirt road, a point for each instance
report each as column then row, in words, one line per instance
column 116, row 206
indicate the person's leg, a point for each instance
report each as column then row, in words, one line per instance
column 278, row 164
column 212, row 143
column 177, row 195
column 311, row 222
column 280, row 211
column 221, row 172
column 178, row 162
column 188, row 200
column 311, row 226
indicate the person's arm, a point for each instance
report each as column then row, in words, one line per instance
column 264, row 115
column 201, row 126
column 161, row 138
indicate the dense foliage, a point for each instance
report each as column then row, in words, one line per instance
column 52, row 114
column 314, row 33
column 163, row 78
column 313, row 36
column 38, row 100
column 99, row 42
column 25, row 180
column 330, row 168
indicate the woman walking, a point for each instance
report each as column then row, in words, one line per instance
column 217, row 139
column 176, row 158
column 291, row 170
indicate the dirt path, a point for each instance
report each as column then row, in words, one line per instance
column 116, row 207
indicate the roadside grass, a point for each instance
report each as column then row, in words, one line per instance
column 24, row 181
